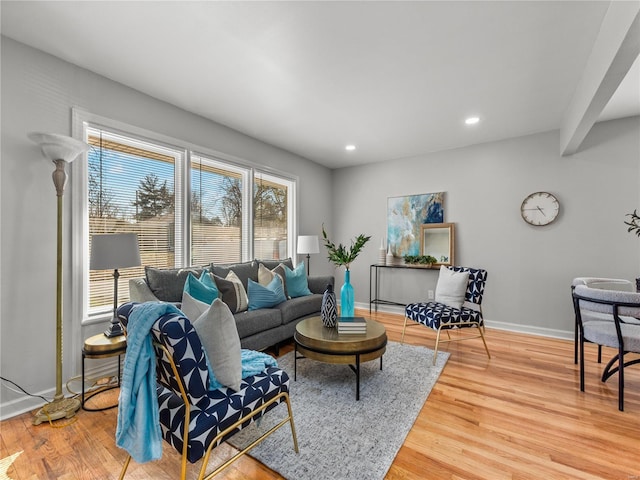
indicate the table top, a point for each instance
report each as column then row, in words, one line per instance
column 100, row 344
column 311, row 333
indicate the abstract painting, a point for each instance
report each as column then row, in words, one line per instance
column 404, row 217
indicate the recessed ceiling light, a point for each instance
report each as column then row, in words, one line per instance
column 472, row 120
column 350, row 148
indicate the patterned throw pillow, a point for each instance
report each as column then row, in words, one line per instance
column 219, row 337
column 232, row 292
column 266, row 296
column 297, row 284
column 266, row 275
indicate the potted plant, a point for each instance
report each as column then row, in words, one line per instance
column 634, row 226
column 427, row 260
column 342, row 255
column 634, row 223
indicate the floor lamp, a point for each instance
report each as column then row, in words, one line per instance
column 308, row 244
column 61, row 150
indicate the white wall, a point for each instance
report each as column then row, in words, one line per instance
column 530, row 268
column 38, row 92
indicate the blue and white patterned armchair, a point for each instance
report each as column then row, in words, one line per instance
column 193, row 418
column 439, row 316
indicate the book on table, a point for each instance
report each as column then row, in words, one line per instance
column 352, row 325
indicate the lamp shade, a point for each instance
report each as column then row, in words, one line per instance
column 308, row 244
column 114, row 250
column 58, row 147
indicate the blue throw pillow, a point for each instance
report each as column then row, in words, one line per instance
column 265, row 296
column 297, row 284
column 200, row 289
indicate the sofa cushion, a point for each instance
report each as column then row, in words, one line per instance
column 266, row 296
column 203, row 288
column 232, row 292
column 244, row 271
column 266, row 275
column 191, row 307
column 297, row 284
column 167, row 284
column 271, row 264
column 451, row 287
column 300, row 307
column 256, row 321
column 217, row 331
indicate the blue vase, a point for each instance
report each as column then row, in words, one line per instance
column 346, row 296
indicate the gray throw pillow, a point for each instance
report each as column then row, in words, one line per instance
column 451, row 287
column 219, row 337
column 244, row 271
column 167, row 284
column 232, row 292
column 271, row 264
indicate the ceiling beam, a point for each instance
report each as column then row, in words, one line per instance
column 614, row 51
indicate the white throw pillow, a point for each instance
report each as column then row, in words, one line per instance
column 192, row 307
column 220, row 340
column 451, row 287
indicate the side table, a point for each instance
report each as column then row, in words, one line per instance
column 99, row 346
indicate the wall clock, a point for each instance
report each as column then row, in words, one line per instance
column 540, row 208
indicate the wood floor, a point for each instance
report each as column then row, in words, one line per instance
column 519, row 415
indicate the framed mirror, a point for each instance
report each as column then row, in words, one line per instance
column 437, row 240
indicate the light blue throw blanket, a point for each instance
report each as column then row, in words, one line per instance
column 138, row 430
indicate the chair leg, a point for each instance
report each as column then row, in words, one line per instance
column 599, row 353
column 484, row 341
column 435, row 352
column 581, row 359
column 403, row 329
column 124, row 467
column 293, row 427
column 621, row 378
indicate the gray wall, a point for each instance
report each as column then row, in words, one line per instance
column 530, row 268
column 38, row 92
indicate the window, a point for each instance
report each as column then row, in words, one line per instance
column 217, row 211
column 131, row 188
column 271, row 216
column 187, row 208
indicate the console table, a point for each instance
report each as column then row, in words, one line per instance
column 374, row 282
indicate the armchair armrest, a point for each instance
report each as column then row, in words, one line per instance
column 139, row 291
column 318, row 283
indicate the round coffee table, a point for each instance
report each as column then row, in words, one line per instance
column 315, row 341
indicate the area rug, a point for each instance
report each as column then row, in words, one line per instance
column 339, row 437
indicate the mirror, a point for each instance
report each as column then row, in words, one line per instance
column 437, row 240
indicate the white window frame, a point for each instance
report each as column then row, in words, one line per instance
column 79, row 271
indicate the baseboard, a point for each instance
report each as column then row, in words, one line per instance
column 28, row 403
column 510, row 327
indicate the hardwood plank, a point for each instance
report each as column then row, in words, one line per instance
column 518, row 415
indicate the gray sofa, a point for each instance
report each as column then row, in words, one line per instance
column 258, row 329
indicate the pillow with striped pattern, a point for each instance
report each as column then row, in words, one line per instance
column 232, row 292
column 265, row 296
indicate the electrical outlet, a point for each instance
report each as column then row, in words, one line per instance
column 430, row 295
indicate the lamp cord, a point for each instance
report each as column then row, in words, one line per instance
column 23, row 390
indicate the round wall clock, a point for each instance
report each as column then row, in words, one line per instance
column 540, row 208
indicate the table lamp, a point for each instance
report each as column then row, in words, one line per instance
column 114, row 251
column 308, row 244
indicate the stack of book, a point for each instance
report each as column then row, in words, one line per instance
column 352, row 325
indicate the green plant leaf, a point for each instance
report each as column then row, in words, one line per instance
column 341, row 255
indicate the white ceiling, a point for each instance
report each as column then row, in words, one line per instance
column 397, row 79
